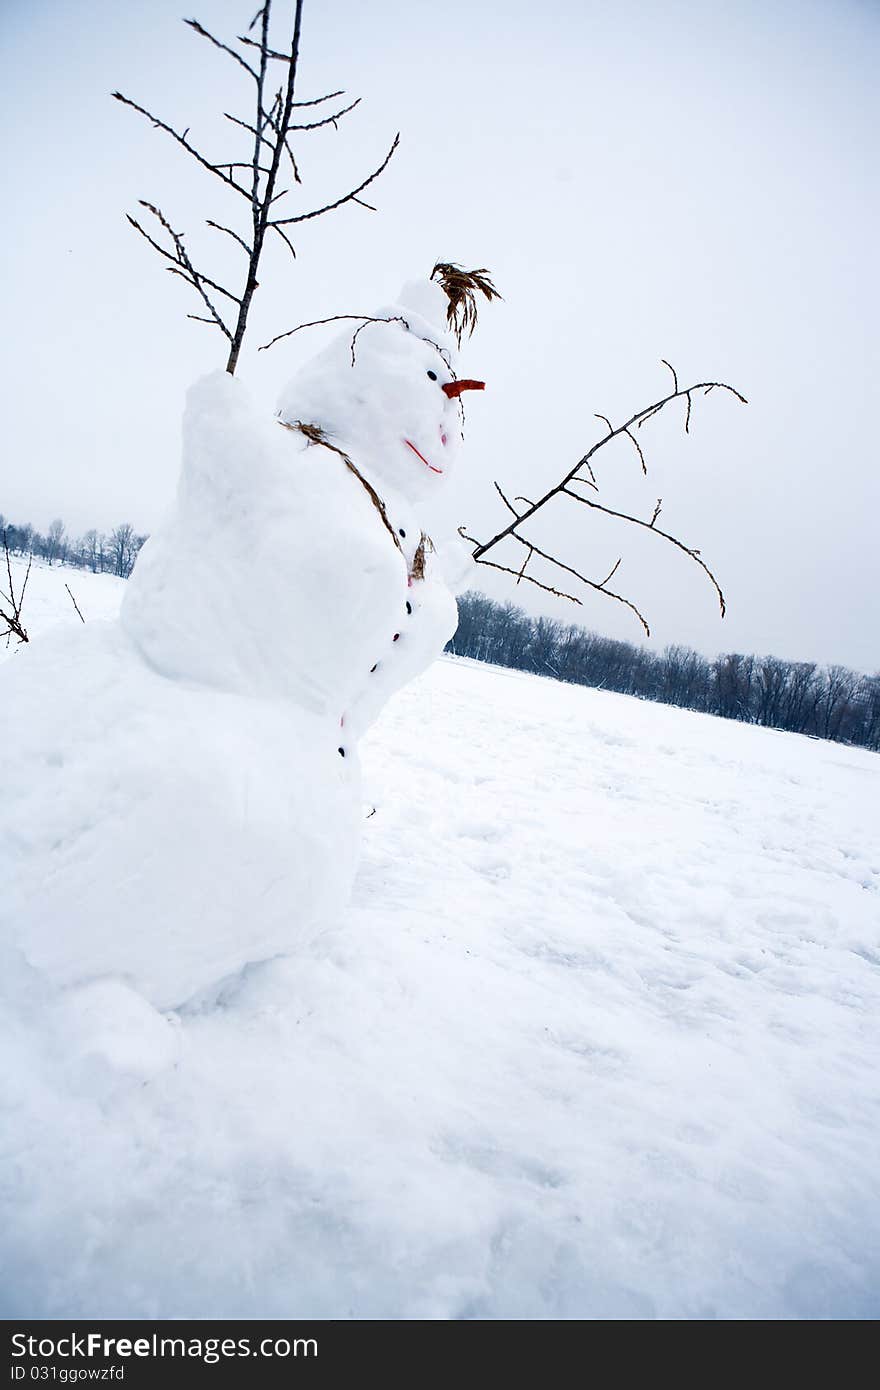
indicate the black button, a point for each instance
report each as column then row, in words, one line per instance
column 401, row 532
column 341, row 752
column 395, row 637
column 408, row 606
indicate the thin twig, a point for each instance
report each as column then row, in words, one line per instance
column 182, row 140
column 509, row 505
column 364, row 319
column 505, row 569
column 592, row 583
column 329, row 120
column 392, row 318
column 522, row 573
column 218, row 227
column 315, row 323
column 181, row 264
column 286, row 239
column 246, row 125
column 651, row 526
column 74, row 602
column 203, row 33
column 638, row 448
column 347, row 198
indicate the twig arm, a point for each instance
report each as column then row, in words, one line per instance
column 582, row 474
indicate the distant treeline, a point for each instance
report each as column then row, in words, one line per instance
column 824, row 701
column 113, row 553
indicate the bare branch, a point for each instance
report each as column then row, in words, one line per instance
column 182, row 140
column 507, row 504
column 245, row 125
column 520, row 573
column 258, row 133
column 584, row 482
column 638, row 448
column 261, row 204
column 316, row 101
column 203, row 33
column 315, row 323
column 566, row 486
column 242, row 164
column 270, row 127
column 182, row 265
column 218, row 227
column 200, row 318
column 269, row 118
column 286, row 239
column 196, row 278
column 363, row 319
column 585, row 462
column 652, row 526
column 600, row 588
column 328, row 120
column 285, row 58
column 293, row 164
column 347, row 198
column 674, row 373
column 392, row 318
column 74, row 602
column 652, row 410
column 612, row 572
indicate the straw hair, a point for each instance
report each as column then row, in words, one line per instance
column 461, row 287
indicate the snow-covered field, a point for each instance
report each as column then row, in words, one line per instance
column 598, row 1038
column 47, row 601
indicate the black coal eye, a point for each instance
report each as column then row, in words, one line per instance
column 432, row 375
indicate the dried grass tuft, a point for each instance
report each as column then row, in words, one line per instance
column 461, row 288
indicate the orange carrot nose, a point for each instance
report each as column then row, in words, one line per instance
column 455, row 388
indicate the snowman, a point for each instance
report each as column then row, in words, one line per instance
column 184, row 798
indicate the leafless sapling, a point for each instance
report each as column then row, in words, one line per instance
column 275, row 123
column 10, row 603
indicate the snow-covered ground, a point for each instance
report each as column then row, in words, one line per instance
column 597, row 1038
column 47, row 601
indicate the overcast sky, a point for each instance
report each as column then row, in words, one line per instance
column 693, row 180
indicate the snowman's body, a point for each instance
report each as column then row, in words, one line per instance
column 192, row 779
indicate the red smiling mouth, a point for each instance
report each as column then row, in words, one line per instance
column 412, row 446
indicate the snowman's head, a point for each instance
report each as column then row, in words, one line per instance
column 386, row 392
